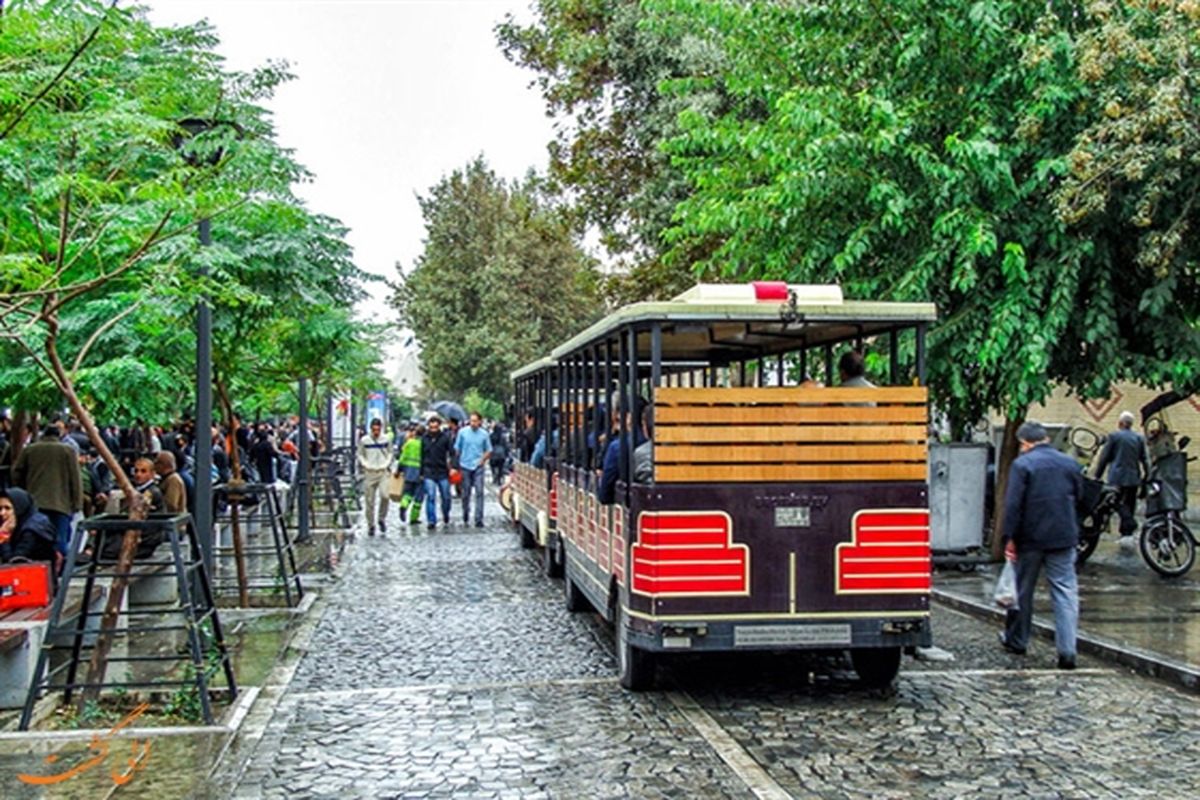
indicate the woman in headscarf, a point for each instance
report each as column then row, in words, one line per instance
column 25, row 532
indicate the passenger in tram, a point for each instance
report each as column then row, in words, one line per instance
column 540, row 454
column 643, row 454
column 612, row 456
column 852, row 370
column 529, row 437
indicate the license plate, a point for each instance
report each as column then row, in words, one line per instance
column 785, row 635
column 792, row 517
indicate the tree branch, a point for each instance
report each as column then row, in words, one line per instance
column 96, row 334
column 37, row 98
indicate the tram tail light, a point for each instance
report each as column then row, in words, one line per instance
column 889, row 553
column 689, row 554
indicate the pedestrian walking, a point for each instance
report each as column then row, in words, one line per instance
column 499, row 449
column 410, row 465
column 473, row 448
column 1128, row 463
column 1040, row 529
column 375, row 458
column 49, row 471
column 436, row 449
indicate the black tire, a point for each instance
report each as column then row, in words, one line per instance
column 1089, row 537
column 575, row 599
column 528, row 540
column 877, row 667
column 1168, row 547
column 635, row 667
column 552, row 557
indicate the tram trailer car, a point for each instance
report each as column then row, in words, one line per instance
column 778, row 513
column 534, row 487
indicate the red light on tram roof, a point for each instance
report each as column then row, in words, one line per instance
column 770, row 290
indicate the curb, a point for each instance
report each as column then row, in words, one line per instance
column 1144, row 662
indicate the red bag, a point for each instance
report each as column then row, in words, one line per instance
column 24, row 585
column 455, row 477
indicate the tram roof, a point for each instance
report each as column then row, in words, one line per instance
column 752, row 316
column 536, row 366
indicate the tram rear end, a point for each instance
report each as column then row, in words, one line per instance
column 775, row 513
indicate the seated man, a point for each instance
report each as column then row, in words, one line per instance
column 170, row 484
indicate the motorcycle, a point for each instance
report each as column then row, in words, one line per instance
column 1167, row 544
column 1098, row 503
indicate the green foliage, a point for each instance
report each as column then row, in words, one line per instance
column 102, row 188
column 502, row 275
column 487, row 407
column 913, row 151
column 599, row 67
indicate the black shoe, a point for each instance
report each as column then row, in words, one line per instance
column 382, row 528
column 1065, row 662
column 478, row 524
column 371, row 532
column 432, row 525
column 1016, row 651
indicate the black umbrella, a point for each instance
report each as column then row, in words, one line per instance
column 450, row 410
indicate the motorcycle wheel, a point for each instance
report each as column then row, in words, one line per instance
column 1089, row 537
column 1168, row 547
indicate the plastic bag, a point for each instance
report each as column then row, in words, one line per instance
column 1005, row 593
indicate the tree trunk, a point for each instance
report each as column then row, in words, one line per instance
column 137, row 512
column 1004, row 459
column 235, row 500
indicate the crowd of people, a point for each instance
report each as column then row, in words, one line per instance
column 435, row 462
column 49, row 480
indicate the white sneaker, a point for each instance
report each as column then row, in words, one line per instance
column 1127, row 544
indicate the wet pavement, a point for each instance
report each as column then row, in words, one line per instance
column 444, row 665
column 1123, row 603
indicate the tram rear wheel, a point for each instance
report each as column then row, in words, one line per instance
column 575, row 599
column 877, row 667
column 527, row 538
column 552, row 558
column 637, row 666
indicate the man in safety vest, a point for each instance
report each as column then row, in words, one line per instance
column 410, row 465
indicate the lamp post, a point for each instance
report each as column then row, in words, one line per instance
column 204, row 506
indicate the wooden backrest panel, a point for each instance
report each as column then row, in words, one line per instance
column 790, row 434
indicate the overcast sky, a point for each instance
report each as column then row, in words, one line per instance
column 390, row 96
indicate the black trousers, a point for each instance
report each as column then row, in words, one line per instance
column 1126, row 505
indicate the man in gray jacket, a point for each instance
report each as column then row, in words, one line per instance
column 1128, row 464
column 49, row 471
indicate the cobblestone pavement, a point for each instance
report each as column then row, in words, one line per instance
column 445, row 666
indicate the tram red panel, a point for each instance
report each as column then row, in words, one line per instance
column 689, row 553
column 885, row 584
column 878, row 559
column 690, row 586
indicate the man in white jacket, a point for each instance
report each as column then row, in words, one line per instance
column 375, row 458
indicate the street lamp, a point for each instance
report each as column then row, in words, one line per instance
column 191, row 128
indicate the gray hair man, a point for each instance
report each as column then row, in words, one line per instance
column 1040, row 530
column 1128, row 462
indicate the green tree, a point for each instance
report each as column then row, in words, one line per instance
column 914, row 150
column 599, row 66
column 502, row 277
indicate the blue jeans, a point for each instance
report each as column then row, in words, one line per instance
column 1064, row 597
column 432, row 487
column 62, row 528
column 473, row 485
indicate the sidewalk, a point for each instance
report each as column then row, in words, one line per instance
column 1128, row 614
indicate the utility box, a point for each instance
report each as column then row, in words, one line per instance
column 957, row 490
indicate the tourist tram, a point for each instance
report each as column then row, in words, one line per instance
column 534, row 501
column 753, row 508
